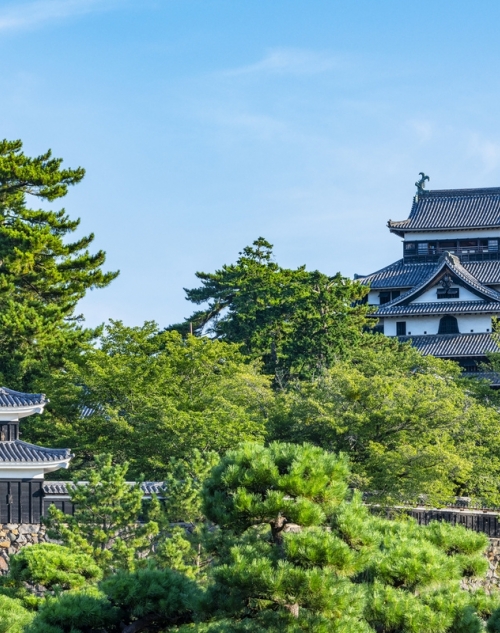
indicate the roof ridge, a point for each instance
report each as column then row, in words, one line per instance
column 461, row 192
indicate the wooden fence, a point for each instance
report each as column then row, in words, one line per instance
column 487, row 522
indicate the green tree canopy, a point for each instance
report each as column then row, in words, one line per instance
column 409, row 424
column 148, row 600
column 53, row 566
column 105, row 523
column 308, row 556
column 296, row 321
column 43, row 275
column 148, row 396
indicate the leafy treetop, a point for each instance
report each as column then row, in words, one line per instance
column 42, row 274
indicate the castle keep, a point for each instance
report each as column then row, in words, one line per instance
column 444, row 293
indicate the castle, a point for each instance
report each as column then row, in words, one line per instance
column 444, row 293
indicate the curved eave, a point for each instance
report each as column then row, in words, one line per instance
column 436, row 310
column 47, row 466
column 13, row 414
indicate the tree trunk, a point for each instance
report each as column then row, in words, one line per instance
column 277, row 528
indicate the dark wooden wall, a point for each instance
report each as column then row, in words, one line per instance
column 487, row 523
column 21, row 501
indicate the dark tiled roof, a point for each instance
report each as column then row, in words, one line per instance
column 487, row 272
column 492, row 377
column 439, row 307
column 11, row 398
column 452, row 209
column 61, row 487
column 454, row 345
column 401, row 275
column 19, row 451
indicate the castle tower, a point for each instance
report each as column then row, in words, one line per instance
column 23, row 465
column 444, row 292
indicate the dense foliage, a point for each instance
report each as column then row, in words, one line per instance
column 255, row 529
column 307, row 550
column 148, row 395
column 292, row 549
column 105, row 522
column 409, row 424
column 297, row 322
column 42, row 275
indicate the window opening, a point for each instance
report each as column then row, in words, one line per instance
column 400, row 328
column 448, row 325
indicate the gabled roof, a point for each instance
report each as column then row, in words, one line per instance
column 22, row 452
column 447, row 263
column 439, row 307
column 451, row 209
column 398, row 275
column 10, row 398
column 406, row 275
column 454, row 345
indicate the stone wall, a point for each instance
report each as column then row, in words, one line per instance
column 492, row 580
column 13, row 536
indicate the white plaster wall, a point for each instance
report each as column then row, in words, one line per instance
column 415, row 236
column 430, row 296
column 417, row 325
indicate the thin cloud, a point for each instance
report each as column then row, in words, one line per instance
column 289, row 61
column 32, row 15
column 422, row 129
column 486, row 150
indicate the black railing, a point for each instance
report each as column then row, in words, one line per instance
column 465, row 255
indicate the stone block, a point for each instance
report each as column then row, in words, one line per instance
column 5, row 543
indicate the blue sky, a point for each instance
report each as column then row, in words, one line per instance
column 204, row 124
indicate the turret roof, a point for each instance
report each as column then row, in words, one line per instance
column 10, row 398
column 18, row 451
column 451, row 209
column 406, row 275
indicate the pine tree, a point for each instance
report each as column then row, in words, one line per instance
column 297, row 322
column 307, row 555
column 105, row 523
column 43, row 275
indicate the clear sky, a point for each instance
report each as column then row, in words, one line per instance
column 204, row 124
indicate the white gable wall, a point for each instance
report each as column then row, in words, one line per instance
column 430, row 296
column 418, row 325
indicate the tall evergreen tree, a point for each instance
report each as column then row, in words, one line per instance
column 43, row 275
column 296, row 321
